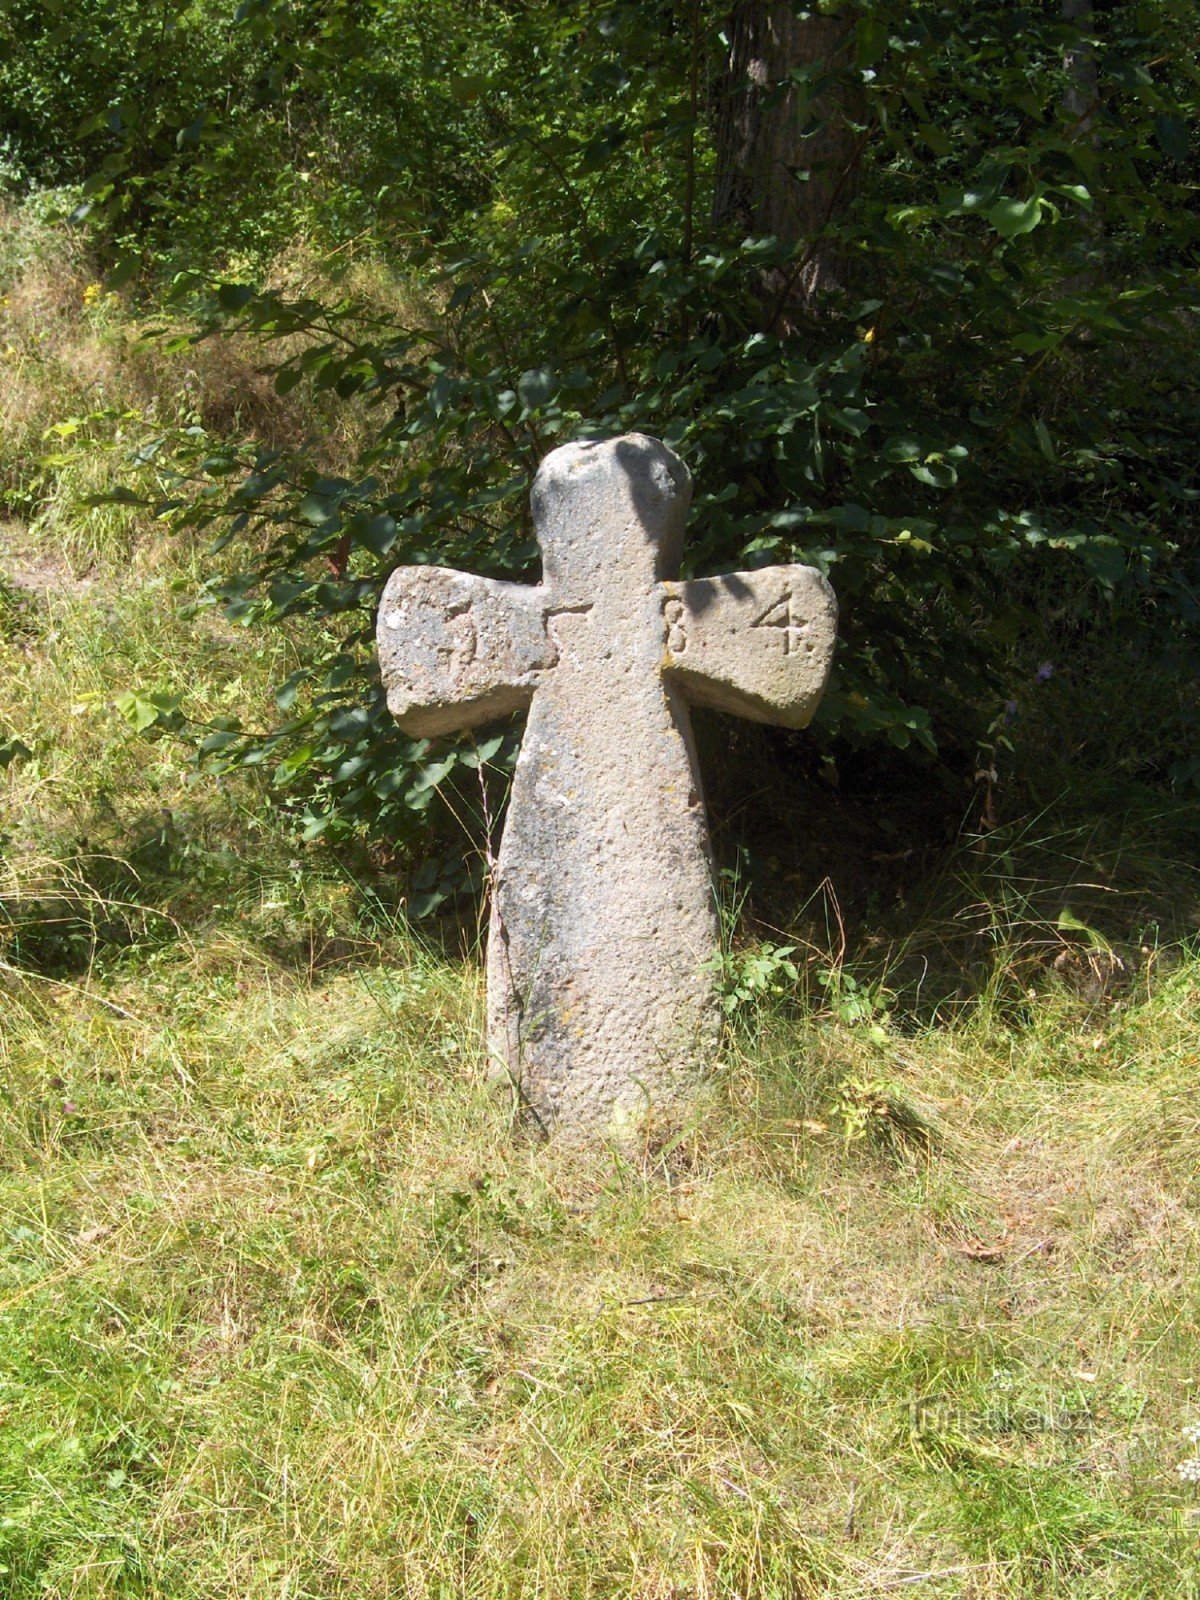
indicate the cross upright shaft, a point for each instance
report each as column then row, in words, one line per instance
column 600, row 983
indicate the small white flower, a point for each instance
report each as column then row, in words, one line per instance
column 1192, row 1433
column 1189, row 1470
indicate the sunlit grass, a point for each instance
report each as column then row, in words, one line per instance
column 287, row 1310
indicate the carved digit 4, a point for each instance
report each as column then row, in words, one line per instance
column 780, row 615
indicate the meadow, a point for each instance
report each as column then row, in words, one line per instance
column 287, row 1312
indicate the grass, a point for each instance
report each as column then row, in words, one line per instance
column 286, row 1312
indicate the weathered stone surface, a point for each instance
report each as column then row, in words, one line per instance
column 758, row 644
column 456, row 651
column 600, row 988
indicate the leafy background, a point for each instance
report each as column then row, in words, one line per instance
column 981, row 433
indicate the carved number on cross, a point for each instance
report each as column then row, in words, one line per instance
column 673, row 615
column 780, row 615
column 464, row 637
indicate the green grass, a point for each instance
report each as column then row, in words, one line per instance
column 287, row 1312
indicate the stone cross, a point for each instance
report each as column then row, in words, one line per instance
column 601, row 981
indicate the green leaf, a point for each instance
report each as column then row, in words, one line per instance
column 1045, row 443
column 937, row 141
column 482, row 753
column 219, row 740
column 285, row 695
column 234, row 296
column 536, row 386
column 1172, row 136
column 293, row 764
column 871, row 40
column 142, row 710
column 1032, row 344
column 903, row 449
column 936, row 473
column 1013, row 217
column 315, row 508
column 12, row 749
column 126, row 267
column 1068, row 922
column 377, row 533
column 120, row 496
column 1104, row 560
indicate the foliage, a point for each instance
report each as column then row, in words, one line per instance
column 986, row 446
column 760, row 974
column 225, row 130
column 11, row 749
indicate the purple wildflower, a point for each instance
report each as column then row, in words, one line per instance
column 1045, row 672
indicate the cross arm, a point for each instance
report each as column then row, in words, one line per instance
column 759, row 644
column 457, row 650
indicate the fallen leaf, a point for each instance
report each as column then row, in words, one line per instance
column 977, row 1250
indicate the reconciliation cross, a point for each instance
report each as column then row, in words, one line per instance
column 601, row 981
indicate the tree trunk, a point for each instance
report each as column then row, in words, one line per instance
column 787, row 157
column 1081, row 103
column 1079, row 60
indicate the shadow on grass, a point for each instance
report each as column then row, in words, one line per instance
column 888, row 891
column 886, row 883
column 129, row 890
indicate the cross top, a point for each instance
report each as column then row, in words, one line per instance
column 600, row 984
column 609, row 514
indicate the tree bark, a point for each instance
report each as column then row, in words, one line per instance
column 787, row 157
column 1081, row 104
column 1079, row 60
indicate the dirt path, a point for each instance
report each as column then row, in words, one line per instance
column 26, row 565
